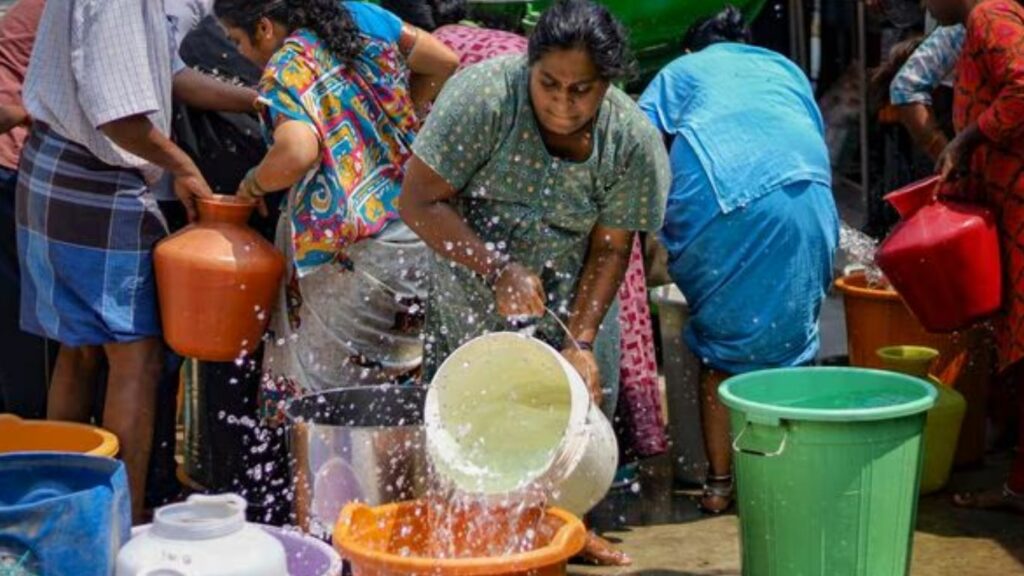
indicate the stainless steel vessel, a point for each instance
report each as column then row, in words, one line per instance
column 355, row 444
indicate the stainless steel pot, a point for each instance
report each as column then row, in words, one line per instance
column 355, row 444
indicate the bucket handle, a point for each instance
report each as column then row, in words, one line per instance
column 777, row 452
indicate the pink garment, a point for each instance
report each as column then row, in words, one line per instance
column 642, row 425
column 17, row 36
column 474, row 45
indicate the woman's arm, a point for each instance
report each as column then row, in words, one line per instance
column 424, row 207
column 919, row 119
column 204, row 92
column 911, row 89
column 955, row 158
column 603, row 271
column 431, row 63
column 1000, row 61
column 295, row 151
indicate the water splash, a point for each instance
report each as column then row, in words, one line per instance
column 860, row 250
column 463, row 525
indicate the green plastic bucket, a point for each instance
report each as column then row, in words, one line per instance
column 828, row 462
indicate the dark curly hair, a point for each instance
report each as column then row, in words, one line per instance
column 428, row 14
column 729, row 25
column 586, row 25
column 449, row 11
column 328, row 19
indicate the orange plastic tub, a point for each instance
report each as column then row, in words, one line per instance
column 17, row 435
column 393, row 540
column 877, row 318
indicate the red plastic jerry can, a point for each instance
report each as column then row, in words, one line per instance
column 943, row 258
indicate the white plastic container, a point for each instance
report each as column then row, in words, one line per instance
column 506, row 413
column 204, row 536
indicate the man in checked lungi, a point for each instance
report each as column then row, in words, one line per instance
column 99, row 92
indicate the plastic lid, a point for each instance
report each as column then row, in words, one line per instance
column 201, row 518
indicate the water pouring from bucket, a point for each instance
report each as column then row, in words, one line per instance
column 510, row 428
column 506, row 412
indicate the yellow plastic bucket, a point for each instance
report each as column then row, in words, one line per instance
column 17, row 435
column 910, row 360
column 942, row 431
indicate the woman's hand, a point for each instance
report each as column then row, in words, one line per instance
column 249, row 189
column 954, row 161
column 518, row 292
column 431, row 64
column 585, row 363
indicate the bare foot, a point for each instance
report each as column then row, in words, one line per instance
column 600, row 552
column 993, row 499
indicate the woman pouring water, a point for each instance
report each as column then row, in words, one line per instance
column 528, row 181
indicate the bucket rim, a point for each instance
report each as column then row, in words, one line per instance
column 772, row 411
column 855, row 285
column 282, row 532
column 293, row 420
column 568, row 541
column 107, row 444
column 576, row 427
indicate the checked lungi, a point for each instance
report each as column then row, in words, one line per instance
column 86, row 232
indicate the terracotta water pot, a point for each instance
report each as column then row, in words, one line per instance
column 217, row 280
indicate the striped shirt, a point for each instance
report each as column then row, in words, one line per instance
column 97, row 61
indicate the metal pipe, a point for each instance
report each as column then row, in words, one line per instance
column 797, row 34
column 863, row 57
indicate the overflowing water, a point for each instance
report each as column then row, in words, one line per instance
column 860, row 250
column 461, row 525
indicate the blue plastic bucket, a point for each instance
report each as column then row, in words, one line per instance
column 62, row 513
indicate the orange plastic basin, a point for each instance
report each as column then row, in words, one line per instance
column 17, row 435
column 392, row 540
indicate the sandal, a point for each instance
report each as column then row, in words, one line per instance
column 720, row 488
column 997, row 499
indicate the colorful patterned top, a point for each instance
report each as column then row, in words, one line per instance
column 929, row 66
column 483, row 140
column 474, row 45
column 363, row 115
column 990, row 92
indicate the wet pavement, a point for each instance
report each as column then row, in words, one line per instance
column 659, row 525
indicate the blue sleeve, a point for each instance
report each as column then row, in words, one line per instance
column 932, row 62
column 375, row 21
column 651, row 100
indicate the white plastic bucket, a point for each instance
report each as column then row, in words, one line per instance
column 505, row 412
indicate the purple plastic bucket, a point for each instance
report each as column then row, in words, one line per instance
column 307, row 556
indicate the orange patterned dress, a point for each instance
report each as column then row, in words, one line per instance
column 990, row 93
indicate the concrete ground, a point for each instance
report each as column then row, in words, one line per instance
column 662, row 530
